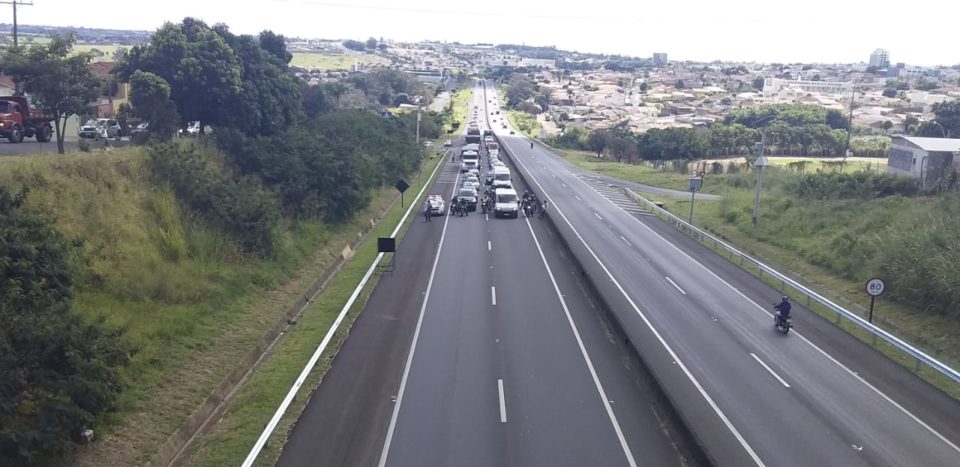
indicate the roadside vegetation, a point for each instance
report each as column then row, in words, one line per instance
column 171, row 260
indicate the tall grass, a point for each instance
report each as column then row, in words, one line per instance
column 145, row 265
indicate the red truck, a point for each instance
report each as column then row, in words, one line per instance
column 18, row 120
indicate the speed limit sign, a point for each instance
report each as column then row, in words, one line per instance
column 875, row 287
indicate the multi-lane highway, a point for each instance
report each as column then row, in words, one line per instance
column 484, row 348
column 751, row 396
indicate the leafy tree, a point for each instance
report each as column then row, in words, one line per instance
column 519, row 89
column 354, row 45
column 926, row 85
column 120, row 54
column 59, row 373
column 59, row 84
column 275, row 45
column 837, row 120
column 887, row 125
column 269, row 99
column 150, row 96
column 597, row 142
column 948, row 116
column 644, row 86
column 372, row 43
column 680, row 84
column 757, row 83
column 201, row 68
column 910, row 124
column 890, row 92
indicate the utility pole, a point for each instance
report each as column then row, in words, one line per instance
column 15, row 3
column 853, row 95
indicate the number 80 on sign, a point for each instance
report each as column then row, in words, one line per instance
column 875, row 287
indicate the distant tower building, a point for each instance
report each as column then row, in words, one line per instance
column 660, row 59
column 880, row 58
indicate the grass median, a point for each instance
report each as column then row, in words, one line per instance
column 258, row 399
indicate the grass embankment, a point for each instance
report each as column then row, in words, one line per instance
column 524, row 123
column 192, row 305
column 713, row 183
column 331, row 62
column 240, row 426
column 834, row 245
column 460, row 101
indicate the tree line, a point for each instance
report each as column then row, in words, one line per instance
column 794, row 128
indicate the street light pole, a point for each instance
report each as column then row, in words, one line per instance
column 418, row 121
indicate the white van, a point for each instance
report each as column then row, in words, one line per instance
column 506, row 203
column 469, row 164
column 501, row 174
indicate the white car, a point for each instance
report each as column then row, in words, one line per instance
column 437, row 206
column 447, row 143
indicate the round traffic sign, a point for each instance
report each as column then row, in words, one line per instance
column 875, row 287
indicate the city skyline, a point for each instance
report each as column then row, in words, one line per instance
column 747, row 30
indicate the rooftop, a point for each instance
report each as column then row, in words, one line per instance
column 933, row 144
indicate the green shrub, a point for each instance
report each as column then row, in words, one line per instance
column 58, row 372
column 200, row 180
column 864, row 185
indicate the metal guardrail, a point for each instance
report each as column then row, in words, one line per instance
column 918, row 356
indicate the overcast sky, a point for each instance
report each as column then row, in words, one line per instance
column 919, row 32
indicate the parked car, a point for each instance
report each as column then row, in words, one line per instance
column 100, row 128
column 447, row 143
column 193, row 129
column 140, row 128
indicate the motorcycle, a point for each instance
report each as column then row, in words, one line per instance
column 781, row 324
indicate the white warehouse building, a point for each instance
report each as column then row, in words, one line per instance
column 772, row 86
column 929, row 159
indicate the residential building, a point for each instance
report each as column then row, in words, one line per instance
column 6, row 85
column 660, row 59
column 880, row 58
column 772, row 86
column 929, row 159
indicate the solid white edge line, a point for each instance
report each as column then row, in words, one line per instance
column 288, row 399
column 674, row 284
column 413, row 343
column 815, row 346
column 774, row 373
column 683, row 367
column 493, row 295
column 503, row 402
column 583, row 350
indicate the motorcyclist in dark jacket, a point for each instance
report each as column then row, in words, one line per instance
column 783, row 308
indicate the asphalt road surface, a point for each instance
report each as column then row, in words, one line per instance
column 752, row 396
column 482, row 348
column 30, row 146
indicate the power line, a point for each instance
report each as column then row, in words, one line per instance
column 15, row 3
column 454, row 12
